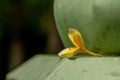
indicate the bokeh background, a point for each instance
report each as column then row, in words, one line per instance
column 27, row 28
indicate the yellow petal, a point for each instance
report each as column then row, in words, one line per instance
column 68, row 52
column 91, row 53
column 76, row 38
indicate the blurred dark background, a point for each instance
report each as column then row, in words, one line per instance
column 27, row 28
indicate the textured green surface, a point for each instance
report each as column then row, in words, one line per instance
column 97, row 20
column 50, row 67
column 37, row 68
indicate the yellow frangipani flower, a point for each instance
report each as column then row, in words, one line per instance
column 76, row 38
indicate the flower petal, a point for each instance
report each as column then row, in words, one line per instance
column 76, row 38
column 91, row 53
column 68, row 52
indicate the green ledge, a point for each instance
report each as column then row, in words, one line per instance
column 51, row 67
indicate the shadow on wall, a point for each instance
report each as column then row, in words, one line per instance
column 26, row 28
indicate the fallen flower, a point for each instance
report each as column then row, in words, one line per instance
column 76, row 38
